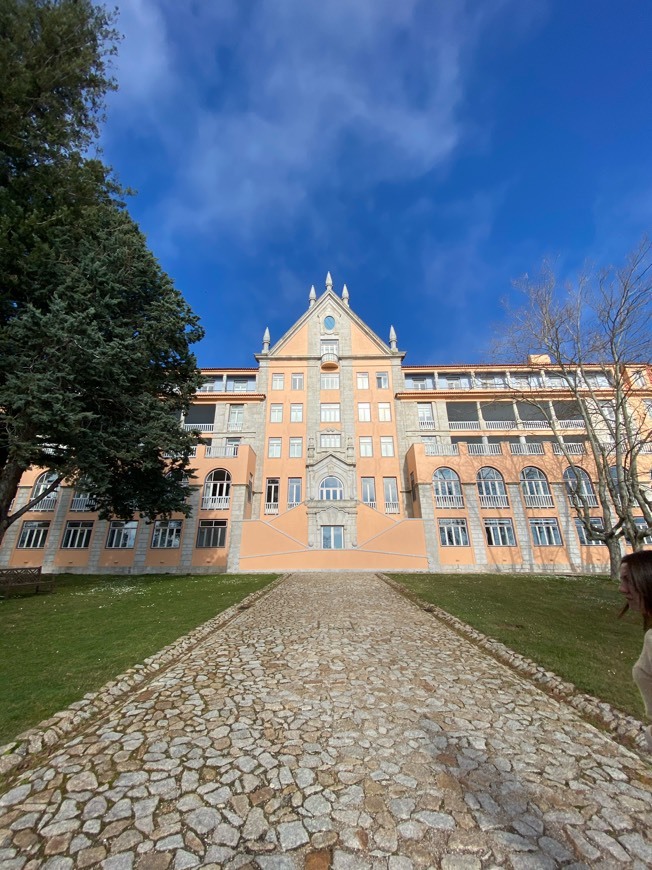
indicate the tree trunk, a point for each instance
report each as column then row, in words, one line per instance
column 614, row 558
column 9, row 480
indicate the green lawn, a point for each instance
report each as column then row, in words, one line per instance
column 55, row 648
column 567, row 624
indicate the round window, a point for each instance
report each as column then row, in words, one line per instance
column 329, row 323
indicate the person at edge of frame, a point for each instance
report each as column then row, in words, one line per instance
column 636, row 586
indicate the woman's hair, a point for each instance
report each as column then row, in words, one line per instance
column 639, row 575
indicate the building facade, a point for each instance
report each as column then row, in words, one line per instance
column 333, row 454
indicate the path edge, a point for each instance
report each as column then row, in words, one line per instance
column 80, row 713
column 627, row 728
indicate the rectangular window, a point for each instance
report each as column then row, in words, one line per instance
column 297, row 381
column 296, row 448
column 250, row 488
column 122, row 536
column 330, row 382
column 330, row 441
column 363, row 380
column 384, row 412
column 294, row 491
column 390, row 492
column 278, row 382
column 33, row 535
column 499, row 533
column 364, row 412
column 276, row 414
column 545, row 532
column 236, row 418
column 330, row 413
column 369, row 491
column 274, row 448
column 386, row 445
column 167, row 535
column 330, row 345
column 425, row 412
column 77, row 535
column 582, row 534
column 211, row 534
column 641, row 523
column 453, row 533
column 271, row 491
column 332, row 537
column 382, row 380
column 240, row 385
column 366, row 446
column 296, row 413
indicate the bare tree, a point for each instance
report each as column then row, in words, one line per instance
column 594, row 337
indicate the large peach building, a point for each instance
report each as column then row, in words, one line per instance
column 331, row 453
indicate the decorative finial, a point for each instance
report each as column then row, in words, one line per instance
column 329, row 281
column 313, row 296
column 345, row 295
column 266, row 338
column 392, row 338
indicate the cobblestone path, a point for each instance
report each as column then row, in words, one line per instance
column 333, row 724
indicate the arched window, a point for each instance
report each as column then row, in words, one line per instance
column 491, row 488
column 217, row 489
column 579, row 487
column 535, row 488
column 448, row 490
column 331, row 489
column 43, row 481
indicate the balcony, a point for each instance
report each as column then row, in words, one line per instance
column 221, row 452
column 82, row 503
column 500, row 424
column 494, row 501
column 291, row 504
column 192, row 453
column 271, row 507
column 571, row 424
column 371, row 504
column 526, row 449
column 484, row 449
column 198, row 427
column 646, row 448
column 449, row 501
column 426, row 424
column 571, row 449
column 234, row 426
column 591, row 499
column 535, row 424
column 538, row 501
column 48, row 503
column 442, row 450
column 463, row 424
column 391, row 507
column 329, row 361
column 215, row 502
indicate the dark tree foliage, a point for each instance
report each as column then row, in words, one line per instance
column 95, row 360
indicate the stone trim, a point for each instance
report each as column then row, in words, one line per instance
column 79, row 714
column 600, row 713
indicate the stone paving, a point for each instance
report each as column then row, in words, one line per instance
column 332, row 724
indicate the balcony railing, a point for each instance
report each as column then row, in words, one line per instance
column 591, row 499
column 391, row 507
column 198, row 427
column 219, row 452
column 215, row 502
column 82, row 503
column 646, row 448
column 271, row 507
column 538, row 501
column 463, row 424
column 571, row 449
column 426, row 424
column 526, row 449
column 329, row 360
column 442, row 449
column 46, row 504
column 234, row 426
column 494, row 501
column 371, row 504
column 449, row 501
column 501, row 424
column 536, row 424
column 484, row 449
column 571, row 424
column 192, row 452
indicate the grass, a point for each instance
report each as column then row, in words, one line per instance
column 569, row 625
column 55, row 648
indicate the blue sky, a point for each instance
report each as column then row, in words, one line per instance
column 426, row 152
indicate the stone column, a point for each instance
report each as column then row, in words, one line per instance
column 190, row 525
column 238, row 502
column 429, row 525
column 476, row 527
column 522, row 525
column 56, row 528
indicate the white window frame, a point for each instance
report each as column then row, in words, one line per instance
column 387, row 445
column 333, row 532
column 499, row 532
column 453, row 533
column 330, row 381
column 296, row 413
column 296, row 448
column 583, row 538
column 384, row 412
column 211, row 535
column 278, row 381
column 329, row 412
column 166, row 535
column 362, row 380
column 330, row 441
column 424, row 412
column 33, row 534
column 545, row 532
column 368, row 491
column 296, row 381
column 295, row 486
column 77, row 535
column 121, row 535
column 382, row 380
column 364, row 412
column 366, row 445
column 276, row 413
column 274, row 448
